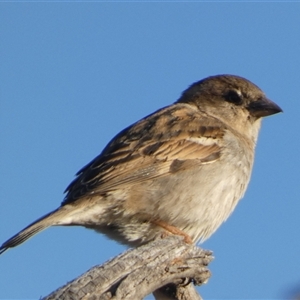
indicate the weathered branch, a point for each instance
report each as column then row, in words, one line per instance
column 167, row 267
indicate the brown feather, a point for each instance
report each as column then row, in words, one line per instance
column 129, row 159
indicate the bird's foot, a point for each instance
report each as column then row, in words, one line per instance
column 173, row 230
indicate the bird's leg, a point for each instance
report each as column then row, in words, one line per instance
column 173, row 230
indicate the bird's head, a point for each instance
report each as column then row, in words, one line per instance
column 234, row 100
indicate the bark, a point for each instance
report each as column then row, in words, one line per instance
column 169, row 268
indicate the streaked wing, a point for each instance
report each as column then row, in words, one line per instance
column 170, row 140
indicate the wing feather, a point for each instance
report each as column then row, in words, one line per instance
column 171, row 140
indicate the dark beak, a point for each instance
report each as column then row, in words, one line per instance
column 263, row 107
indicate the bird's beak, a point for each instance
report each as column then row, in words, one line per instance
column 263, row 107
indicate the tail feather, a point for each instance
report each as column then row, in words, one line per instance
column 32, row 229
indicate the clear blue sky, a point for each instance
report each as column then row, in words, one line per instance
column 74, row 74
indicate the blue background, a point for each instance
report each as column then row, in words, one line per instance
column 73, row 75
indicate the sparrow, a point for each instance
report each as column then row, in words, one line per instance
column 180, row 170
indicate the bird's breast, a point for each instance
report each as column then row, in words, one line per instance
column 199, row 199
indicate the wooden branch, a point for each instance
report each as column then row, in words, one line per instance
column 167, row 267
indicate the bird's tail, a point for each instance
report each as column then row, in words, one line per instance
column 32, row 229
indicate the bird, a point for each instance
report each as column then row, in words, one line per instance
column 180, row 170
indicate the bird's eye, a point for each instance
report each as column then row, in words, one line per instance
column 234, row 97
